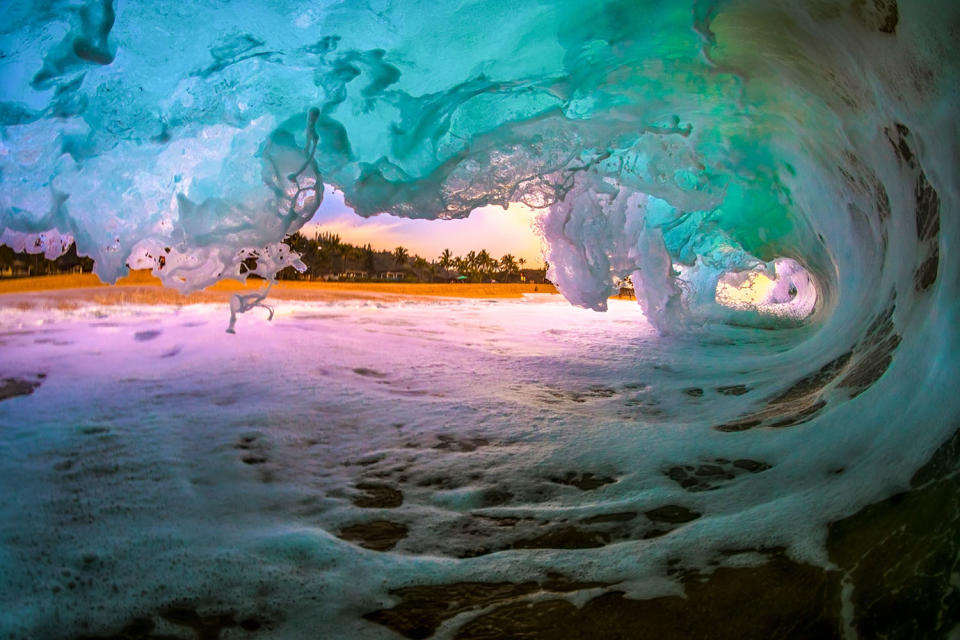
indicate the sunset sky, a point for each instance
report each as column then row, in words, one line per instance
column 491, row 228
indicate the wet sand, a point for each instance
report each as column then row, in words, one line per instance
column 141, row 287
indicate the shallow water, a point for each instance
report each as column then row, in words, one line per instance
column 294, row 475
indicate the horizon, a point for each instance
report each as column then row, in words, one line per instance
column 499, row 231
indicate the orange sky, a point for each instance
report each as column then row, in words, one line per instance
column 490, row 228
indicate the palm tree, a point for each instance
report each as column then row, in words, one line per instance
column 521, row 262
column 446, row 259
column 329, row 241
column 369, row 262
column 508, row 264
column 471, row 260
column 400, row 255
column 483, row 262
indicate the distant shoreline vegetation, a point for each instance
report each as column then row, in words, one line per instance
column 327, row 258
column 25, row 265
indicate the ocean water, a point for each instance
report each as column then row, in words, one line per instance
column 297, row 475
column 694, row 464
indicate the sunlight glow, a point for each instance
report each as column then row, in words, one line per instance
column 750, row 292
column 492, row 228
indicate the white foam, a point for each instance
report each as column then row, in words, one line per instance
column 146, row 477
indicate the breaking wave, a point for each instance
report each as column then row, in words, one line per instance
column 749, row 164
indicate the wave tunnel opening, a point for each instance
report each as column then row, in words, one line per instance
column 768, row 450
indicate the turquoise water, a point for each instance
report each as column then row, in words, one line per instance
column 679, row 143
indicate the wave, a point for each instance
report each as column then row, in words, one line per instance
column 705, row 149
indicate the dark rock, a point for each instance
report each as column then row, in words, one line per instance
column 144, row 336
column 694, row 392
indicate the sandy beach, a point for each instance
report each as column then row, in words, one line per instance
column 141, row 287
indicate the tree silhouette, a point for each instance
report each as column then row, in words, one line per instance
column 329, row 241
column 325, row 253
column 446, row 259
column 508, row 264
column 483, row 261
column 369, row 261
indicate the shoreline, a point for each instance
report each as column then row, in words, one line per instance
column 141, row 287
